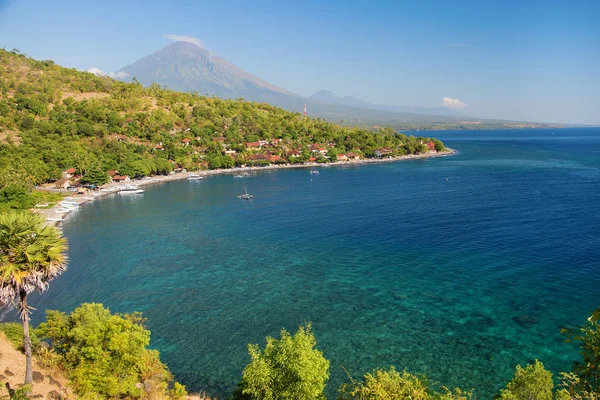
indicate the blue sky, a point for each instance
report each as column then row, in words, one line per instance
column 522, row 60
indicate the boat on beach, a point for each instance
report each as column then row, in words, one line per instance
column 131, row 190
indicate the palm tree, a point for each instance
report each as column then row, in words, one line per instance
column 31, row 255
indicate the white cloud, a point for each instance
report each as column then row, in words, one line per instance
column 116, row 75
column 452, row 103
column 189, row 39
column 96, row 71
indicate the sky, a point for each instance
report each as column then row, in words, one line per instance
column 521, row 60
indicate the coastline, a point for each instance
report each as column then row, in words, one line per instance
column 54, row 217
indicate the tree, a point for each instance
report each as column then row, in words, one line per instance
column 587, row 371
column 95, row 176
column 388, row 385
column 106, row 355
column 31, row 255
column 290, row 368
column 394, row 385
column 533, row 382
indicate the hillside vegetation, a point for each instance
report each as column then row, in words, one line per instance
column 54, row 118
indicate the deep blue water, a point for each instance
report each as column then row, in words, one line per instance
column 458, row 267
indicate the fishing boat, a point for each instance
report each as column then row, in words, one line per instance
column 195, row 177
column 314, row 172
column 130, row 189
column 245, row 196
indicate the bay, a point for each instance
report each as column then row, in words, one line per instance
column 457, row 267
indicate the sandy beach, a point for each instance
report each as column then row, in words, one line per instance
column 54, row 216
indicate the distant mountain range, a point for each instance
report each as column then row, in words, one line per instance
column 185, row 66
column 325, row 96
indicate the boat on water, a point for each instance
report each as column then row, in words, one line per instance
column 238, row 176
column 195, row 177
column 314, row 172
column 131, row 190
column 245, row 196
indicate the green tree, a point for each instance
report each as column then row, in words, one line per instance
column 31, row 255
column 106, row 355
column 386, row 385
column 394, row 385
column 587, row 370
column 533, row 382
column 95, row 176
column 290, row 368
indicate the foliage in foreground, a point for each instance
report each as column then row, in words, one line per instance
column 534, row 382
column 105, row 355
column 290, row 368
column 31, row 256
column 394, row 385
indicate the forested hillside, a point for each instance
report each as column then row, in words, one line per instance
column 53, row 118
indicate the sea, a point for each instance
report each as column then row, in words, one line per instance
column 458, row 268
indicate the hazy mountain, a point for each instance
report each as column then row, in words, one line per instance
column 187, row 67
column 327, row 97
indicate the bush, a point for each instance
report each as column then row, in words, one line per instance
column 13, row 331
column 106, row 355
column 290, row 368
column 386, row 385
column 533, row 382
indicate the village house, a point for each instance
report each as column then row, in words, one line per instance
column 69, row 173
column 258, row 157
column 112, row 173
column 276, row 141
column 253, row 145
column 294, row 153
column 62, row 183
column 121, row 178
column 275, row 158
column 383, row 152
column 185, row 142
column 431, row 146
column 230, row 152
column 263, row 142
column 353, row 156
column 342, row 157
column 159, row 146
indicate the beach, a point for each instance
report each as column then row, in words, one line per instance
column 54, row 216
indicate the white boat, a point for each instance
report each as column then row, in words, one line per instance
column 131, row 190
column 238, row 176
column 245, row 196
column 314, row 172
column 195, row 177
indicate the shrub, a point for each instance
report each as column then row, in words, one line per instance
column 13, row 332
column 533, row 382
column 290, row 368
column 105, row 355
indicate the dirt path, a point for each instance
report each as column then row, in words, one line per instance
column 47, row 384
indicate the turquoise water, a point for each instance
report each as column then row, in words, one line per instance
column 458, row 267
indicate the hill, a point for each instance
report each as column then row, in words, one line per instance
column 53, row 119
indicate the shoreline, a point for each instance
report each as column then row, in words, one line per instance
column 54, row 217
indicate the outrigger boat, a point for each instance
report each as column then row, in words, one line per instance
column 245, row 196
